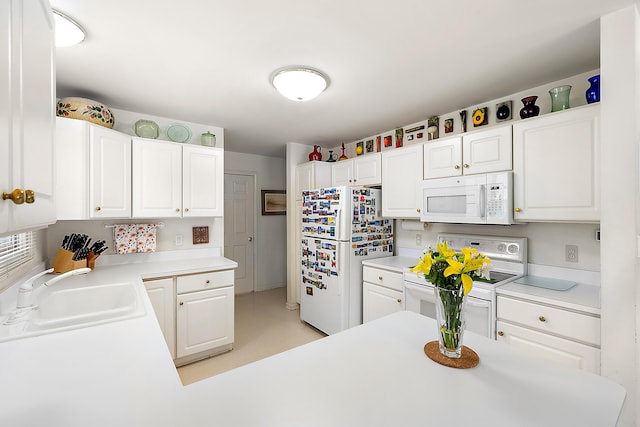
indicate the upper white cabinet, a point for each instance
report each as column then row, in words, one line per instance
column 402, row 182
column 556, row 166
column 360, row 171
column 27, row 88
column 472, row 153
column 93, row 173
column 311, row 175
column 172, row 180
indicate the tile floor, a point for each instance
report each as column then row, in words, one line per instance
column 263, row 327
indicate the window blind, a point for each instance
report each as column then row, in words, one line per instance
column 15, row 250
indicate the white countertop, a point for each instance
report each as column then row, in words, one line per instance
column 371, row 375
column 398, row 264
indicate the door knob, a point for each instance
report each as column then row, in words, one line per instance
column 16, row 196
column 500, row 333
column 250, row 239
column 456, row 167
column 466, row 165
column 518, row 210
column 30, row 196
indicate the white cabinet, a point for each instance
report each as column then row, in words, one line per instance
column 556, row 172
column 478, row 152
column 381, row 292
column 27, row 88
column 162, row 296
column 93, row 174
column 567, row 337
column 402, row 182
column 312, row 175
column 204, row 315
column 360, row 171
column 172, row 180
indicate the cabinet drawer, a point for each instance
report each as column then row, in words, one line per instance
column 554, row 320
column 198, row 282
column 386, row 278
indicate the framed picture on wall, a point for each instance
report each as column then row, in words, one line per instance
column 274, row 202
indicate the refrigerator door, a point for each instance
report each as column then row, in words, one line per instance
column 324, row 297
column 324, row 214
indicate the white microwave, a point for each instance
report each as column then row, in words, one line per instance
column 470, row 199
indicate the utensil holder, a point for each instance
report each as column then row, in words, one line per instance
column 63, row 262
column 91, row 260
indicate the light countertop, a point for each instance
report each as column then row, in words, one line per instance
column 375, row 374
column 397, row 264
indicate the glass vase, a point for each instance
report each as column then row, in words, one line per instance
column 560, row 97
column 450, row 320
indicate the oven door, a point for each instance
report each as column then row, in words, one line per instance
column 454, row 200
column 421, row 299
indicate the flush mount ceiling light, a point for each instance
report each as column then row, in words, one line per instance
column 299, row 83
column 68, row 31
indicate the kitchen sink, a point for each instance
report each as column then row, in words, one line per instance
column 80, row 307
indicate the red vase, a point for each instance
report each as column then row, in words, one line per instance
column 315, row 154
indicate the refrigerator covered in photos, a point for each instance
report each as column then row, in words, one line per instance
column 341, row 227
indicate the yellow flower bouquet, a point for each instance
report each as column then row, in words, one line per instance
column 452, row 273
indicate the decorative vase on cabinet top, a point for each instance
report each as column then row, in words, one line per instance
column 560, row 98
column 530, row 108
column 593, row 93
column 315, row 154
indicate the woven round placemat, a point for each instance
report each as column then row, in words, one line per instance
column 468, row 360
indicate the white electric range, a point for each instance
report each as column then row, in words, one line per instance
column 508, row 257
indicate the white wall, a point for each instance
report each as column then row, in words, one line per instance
column 619, row 59
column 271, row 231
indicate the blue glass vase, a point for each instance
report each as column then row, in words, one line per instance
column 593, row 93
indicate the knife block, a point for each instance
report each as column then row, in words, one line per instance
column 63, row 262
column 91, row 260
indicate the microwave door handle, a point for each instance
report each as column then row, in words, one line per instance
column 482, row 208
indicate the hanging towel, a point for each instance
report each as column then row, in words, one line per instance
column 125, row 238
column 146, row 237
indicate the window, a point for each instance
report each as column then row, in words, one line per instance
column 16, row 250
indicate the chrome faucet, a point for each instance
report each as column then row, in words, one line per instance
column 24, row 305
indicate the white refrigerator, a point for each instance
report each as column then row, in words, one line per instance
column 341, row 227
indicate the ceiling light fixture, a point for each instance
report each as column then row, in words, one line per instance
column 299, row 83
column 68, row 31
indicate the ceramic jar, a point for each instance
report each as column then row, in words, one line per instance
column 530, row 108
column 208, row 139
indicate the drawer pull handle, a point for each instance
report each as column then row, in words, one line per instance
column 518, row 210
column 380, row 278
column 500, row 333
column 98, row 208
column 207, row 281
column 542, row 319
column 399, row 300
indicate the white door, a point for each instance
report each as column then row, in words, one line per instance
column 367, row 170
column 202, row 181
column 402, row 182
column 442, row 158
column 487, row 151
column 239, row 215
column 161, row 294
column 378, row 301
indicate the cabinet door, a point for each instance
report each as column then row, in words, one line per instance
column 204, row 320
column 157, row 179
column 312, row 175
column 367, row 170
column 442, row 158
column 161, row 294
column 402, row 182
column 487, row 151
column 556, row 173
column 378, row 301
column 342, row 173
column 559, row 350
column 110, row 169
column 202, row 181
column 27, row 125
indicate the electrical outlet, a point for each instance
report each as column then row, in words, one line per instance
column 418, row 239
column 571, row 253
column 178, row 239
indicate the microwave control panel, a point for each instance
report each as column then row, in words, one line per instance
column 497, row 200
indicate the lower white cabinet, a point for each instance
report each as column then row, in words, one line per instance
column 162, row 296
column 567, row 337
column 195, row 313
column 381, row 293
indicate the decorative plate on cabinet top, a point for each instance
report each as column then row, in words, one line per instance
column 179, row 133
column 146, row 129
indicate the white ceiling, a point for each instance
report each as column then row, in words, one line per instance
column 390, row 63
